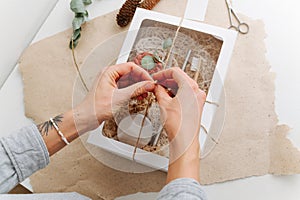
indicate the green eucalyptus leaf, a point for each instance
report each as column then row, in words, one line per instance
column 76, row 34
column 81, row 16
column 167, row 43
column 148, row 62
column 77, row 22
column 77, row 6
column 75, row 43
column 87, row 2
column 86, row 14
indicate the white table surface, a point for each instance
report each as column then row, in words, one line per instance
column 281, row 20
column 20, row 20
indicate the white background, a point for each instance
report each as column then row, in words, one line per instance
column 21, row 20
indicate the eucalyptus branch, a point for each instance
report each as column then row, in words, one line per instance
column 81, row 16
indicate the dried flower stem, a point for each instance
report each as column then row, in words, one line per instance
column 77, row 69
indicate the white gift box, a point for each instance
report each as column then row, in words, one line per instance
column 228, row 38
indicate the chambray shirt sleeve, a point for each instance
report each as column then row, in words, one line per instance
column 21, row 154
column 182, row 189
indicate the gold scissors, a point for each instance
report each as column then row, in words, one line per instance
column 241, row 27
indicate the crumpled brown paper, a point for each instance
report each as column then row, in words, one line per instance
column 251, row 143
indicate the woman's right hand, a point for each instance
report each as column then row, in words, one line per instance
column 182, row 117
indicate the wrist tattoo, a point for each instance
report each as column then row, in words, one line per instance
column 46, row 126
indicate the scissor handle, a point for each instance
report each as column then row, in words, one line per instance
column 243, row 28
column 234, row 28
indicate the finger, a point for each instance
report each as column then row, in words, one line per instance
column 169, row 83
column 138, row 89
column 125, row 80
column 134, row 76
column 138, row 74
column 128, row 80
column 202, row 97
column 175, row 73
column 175, row 76
column 124, row 83
column 161, row 94
column 172, row 92
column 119, row 70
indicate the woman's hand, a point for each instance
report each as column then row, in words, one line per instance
column 182, row 117
column 114, row 86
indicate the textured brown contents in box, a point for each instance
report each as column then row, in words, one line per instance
column 138, row 106
column 152, row 34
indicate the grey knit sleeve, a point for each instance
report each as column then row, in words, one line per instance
column 183, row 188
column 21, row 154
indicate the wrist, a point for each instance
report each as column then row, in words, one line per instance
column 85, row 119
column 67, row 126
column 184, row 149
column 186, row 165
column 55, row 130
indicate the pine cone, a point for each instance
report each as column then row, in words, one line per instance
column 149, row 4
column 126, row 12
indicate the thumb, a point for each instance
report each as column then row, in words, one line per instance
column 138, row 89
column 161, row 94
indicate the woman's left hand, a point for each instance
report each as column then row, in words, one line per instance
column 114, row 86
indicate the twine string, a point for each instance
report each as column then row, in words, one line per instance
column 140, row 131
column 173, row 42
column 210, row 137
